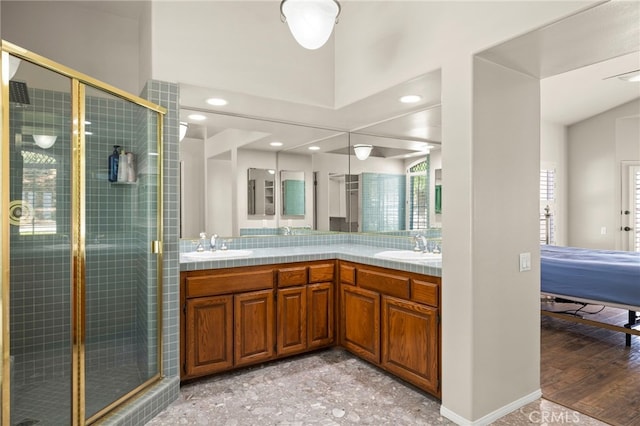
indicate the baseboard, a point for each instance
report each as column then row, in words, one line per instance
column 493, row 416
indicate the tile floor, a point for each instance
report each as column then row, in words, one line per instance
column 330, row 387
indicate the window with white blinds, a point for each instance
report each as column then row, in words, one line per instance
column 547, row 205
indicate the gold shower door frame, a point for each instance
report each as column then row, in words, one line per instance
column 79, row 82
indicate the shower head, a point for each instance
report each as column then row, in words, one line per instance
column 18, row 92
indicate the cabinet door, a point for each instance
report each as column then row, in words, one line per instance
column 410, row 342
column 292, row 320
column 320, row 314
column 360, row 322
column 209, row 335
column 254, row 327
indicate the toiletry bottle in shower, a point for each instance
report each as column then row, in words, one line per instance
column 131, row 167
column 114, row 158
column 122, row 166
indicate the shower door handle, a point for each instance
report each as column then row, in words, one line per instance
column 156, row 247
column 626, row 228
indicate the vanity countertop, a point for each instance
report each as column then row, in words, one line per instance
column 350, row 252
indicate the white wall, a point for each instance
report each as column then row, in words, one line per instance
column 219, row 186
column 489, row 359
column 97, row 43
column 410, row 38
column 553, row 155
column 595, row 149
column 192, row 187
column 238, row 46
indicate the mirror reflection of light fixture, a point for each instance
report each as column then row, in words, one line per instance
column 183, row 130
column 362, row 151
column 44, row 141
column 310, row 21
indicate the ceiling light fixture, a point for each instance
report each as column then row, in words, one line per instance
column 310, row 21
column 410, row 99
column 217, row 101
column 275, row 143
column 197, row 117
column 314, row 148
column 183, row 130
column 633, row 77
column 44, row 141
column 14, row 64
column 362, row 151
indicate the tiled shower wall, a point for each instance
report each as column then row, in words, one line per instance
column 117, row 237
column 40, row 265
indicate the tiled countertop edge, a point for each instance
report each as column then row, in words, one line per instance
column 349, row 252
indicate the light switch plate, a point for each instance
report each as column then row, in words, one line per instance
column 525, row 262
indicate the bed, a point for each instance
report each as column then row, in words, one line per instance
column 599, row 277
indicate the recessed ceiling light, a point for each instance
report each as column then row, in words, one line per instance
column 217, row 101
column 197, row 117
column 314, row 148
column 276, row 143
column 410, row 99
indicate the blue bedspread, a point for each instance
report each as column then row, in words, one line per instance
column 603, row 275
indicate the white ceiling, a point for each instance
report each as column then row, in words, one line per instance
column 566, row 97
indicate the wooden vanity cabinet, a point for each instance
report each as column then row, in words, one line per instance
column 305, row 307
column 235, row 317
column 227, row 319
column 392, row 319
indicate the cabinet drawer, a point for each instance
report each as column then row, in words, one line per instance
column 321, row 273
column 347, row 274
column 425, row 292
column 392, row 285
column 296, row 275
column 232, row 282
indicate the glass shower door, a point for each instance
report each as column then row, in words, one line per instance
column 40, row 165
column 121, row 222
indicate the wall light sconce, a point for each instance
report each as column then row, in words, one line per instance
column 362, row 151
column 183, row 130
column 310, row 21
column 44, row 141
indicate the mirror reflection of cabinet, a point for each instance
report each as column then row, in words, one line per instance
column 292, row 194
column 261, row 195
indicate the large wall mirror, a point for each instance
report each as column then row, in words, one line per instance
column 251, row 175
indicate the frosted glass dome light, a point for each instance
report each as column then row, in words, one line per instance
column 44, row 141
column 310, row 21
column 362, row 151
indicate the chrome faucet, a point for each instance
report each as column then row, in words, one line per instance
column 203, row 236
column 213, row 241
column 421, row 243
column 287, row 230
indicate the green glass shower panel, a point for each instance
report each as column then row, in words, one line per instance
column 40, row 164
column 121, row 271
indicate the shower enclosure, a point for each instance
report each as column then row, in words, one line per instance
column 81, row 256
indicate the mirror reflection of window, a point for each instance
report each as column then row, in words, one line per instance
column 418, row 176
column 39, row 172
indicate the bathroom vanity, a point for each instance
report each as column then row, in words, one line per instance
column 240, row 316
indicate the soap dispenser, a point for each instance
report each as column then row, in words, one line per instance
column 114, row 158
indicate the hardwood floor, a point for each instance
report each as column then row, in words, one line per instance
column 589, row 369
